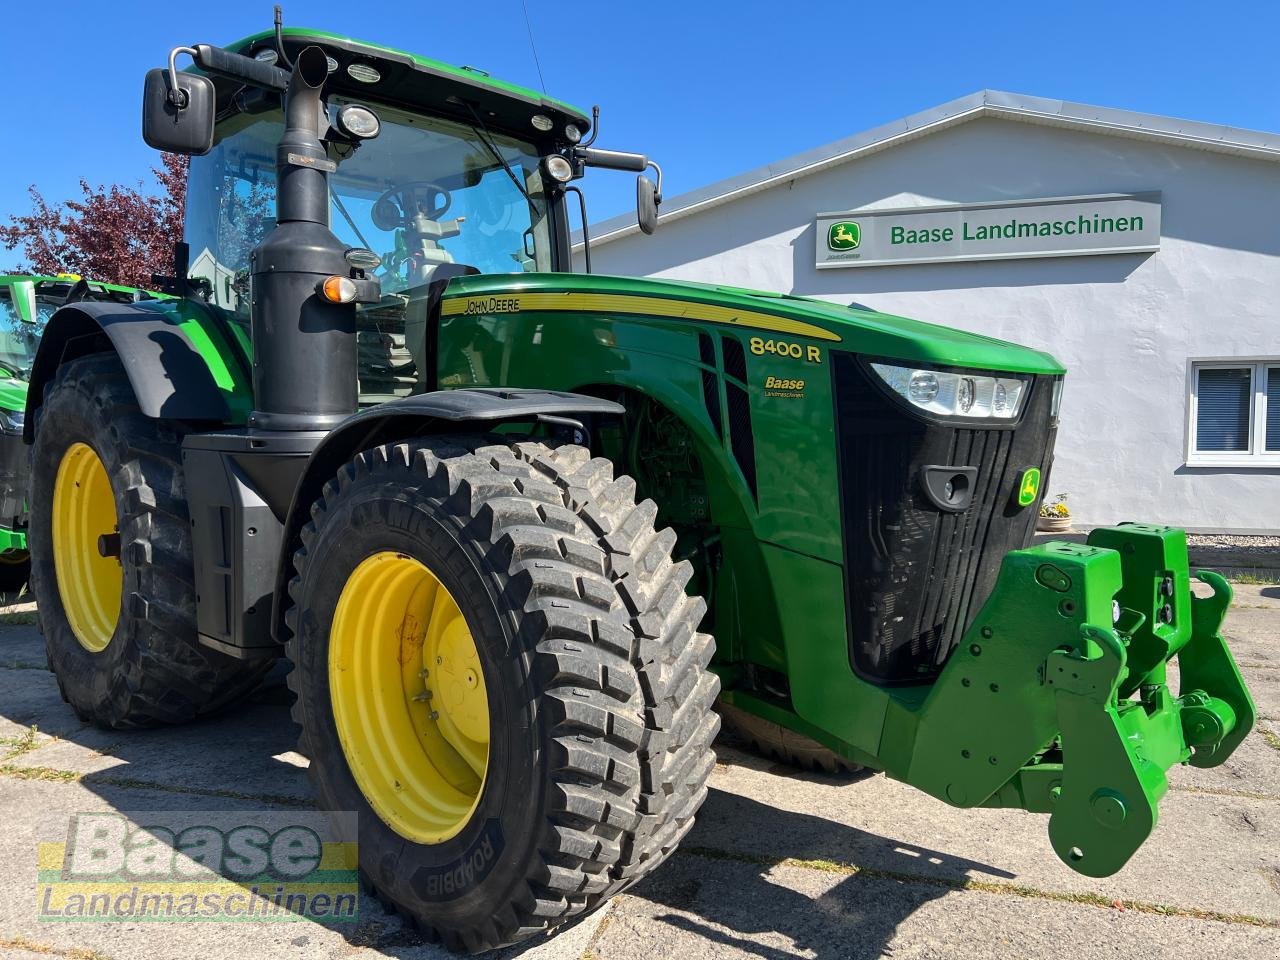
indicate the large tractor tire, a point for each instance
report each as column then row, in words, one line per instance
column 775, row 741
column 111, row 558
column 498, row 668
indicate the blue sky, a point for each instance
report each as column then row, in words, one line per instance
column 707, row 89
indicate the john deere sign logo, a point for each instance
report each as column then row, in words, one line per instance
column 845, row 235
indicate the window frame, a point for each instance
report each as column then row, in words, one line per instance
column 1257, row 456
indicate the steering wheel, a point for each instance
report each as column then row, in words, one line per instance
column 415, row 196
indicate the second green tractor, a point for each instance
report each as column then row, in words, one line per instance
column 494, row 510
column 26, row 303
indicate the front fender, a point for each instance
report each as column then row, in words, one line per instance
column 444, row 411
column 183, row 362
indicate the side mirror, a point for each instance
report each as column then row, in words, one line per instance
column 177, row 112
column 647, row 200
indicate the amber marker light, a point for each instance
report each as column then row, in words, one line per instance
column 338, row 289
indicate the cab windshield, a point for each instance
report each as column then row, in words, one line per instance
column 425, row 192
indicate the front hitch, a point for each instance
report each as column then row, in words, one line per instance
column 1057, row 699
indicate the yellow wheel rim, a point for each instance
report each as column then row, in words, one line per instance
column 409, row 697
column 89, row 584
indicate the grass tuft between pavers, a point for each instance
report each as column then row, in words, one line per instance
column 981, row 886
column 1222, row 792
column 16, row 746
column 31, row 946
column 1269, row 738
column 53, row 775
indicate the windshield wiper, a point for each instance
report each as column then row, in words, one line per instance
column 486, row 138
column 342, row 209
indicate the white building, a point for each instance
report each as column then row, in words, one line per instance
column 1190, row 309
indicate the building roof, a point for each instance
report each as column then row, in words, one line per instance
column 1193, row 134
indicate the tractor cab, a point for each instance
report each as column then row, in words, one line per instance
column 434, row 172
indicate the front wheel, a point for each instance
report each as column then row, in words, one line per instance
column 498, row 668
column 111, row 558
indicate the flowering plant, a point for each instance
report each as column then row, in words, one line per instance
column 1055, row 508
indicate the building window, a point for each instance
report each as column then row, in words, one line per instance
column 1234, row 413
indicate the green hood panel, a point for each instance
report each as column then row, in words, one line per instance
column 863, row 331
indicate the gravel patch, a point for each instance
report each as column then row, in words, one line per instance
column 1226, row 541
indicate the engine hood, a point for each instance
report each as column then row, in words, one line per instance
column 849, row 328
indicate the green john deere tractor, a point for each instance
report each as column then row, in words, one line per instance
column 26, row 303
column 493, row 510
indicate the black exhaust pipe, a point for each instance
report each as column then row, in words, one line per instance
column 304, row 347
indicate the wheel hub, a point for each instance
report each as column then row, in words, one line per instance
column 409, row 698
column 90, row 580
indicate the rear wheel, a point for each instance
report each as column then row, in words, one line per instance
column 498, row 668
column 786, row 746
column 111, row 558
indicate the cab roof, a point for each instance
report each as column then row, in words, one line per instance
column 414, row 81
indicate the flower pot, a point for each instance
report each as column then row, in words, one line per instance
column 1053, row 524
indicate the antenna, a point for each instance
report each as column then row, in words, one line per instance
column 279, row 25
column 595, row 127
column 533, row 46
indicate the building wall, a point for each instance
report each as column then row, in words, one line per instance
column 1125, row 325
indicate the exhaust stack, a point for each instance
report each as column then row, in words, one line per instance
column 304, row 346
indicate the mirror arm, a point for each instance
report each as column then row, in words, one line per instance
column 235, row 66
column 657, row 189
column 611, row 159
column 176, row 96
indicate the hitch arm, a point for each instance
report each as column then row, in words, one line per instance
column 1113, row 758
column 1056, row 701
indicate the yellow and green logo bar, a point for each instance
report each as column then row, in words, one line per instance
column 629, row 304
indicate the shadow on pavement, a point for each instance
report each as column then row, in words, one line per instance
column 235, row 758
column 856, row 917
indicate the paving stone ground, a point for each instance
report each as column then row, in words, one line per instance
column 780, row 864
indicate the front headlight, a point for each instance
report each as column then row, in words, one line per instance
column 968, row 395
column 12, row 419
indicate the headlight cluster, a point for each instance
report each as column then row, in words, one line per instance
column 12, row 419
column 944, row 394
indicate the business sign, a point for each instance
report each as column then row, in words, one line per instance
column 1008, row 229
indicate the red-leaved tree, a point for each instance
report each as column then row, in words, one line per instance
column 116, row 234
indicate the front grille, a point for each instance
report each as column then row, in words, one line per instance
column 915, row 575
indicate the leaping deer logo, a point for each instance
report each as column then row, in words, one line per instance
column 844, row 236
